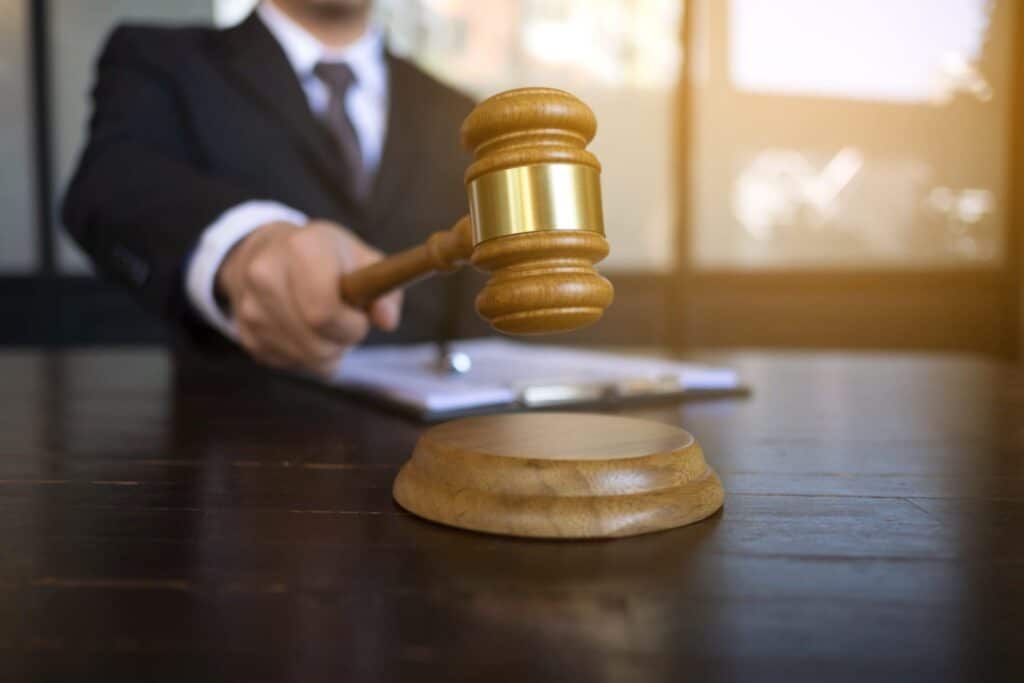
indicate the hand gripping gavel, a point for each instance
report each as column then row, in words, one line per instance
column 535, row 221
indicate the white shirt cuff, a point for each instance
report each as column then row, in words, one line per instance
column 215, row 243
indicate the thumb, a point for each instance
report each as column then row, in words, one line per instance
column 386, row 312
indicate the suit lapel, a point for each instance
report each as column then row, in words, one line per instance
column 400, row 158
column 257, row 63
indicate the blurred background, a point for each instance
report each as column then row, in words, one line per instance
column 777, row 173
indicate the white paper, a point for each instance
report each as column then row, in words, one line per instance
column 506, row 372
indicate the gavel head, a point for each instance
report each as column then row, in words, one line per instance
column 535, row 206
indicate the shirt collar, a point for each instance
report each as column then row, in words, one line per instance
column 365, row 56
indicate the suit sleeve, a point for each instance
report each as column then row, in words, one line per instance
column 140, row 198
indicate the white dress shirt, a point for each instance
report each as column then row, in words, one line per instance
column 366, row 103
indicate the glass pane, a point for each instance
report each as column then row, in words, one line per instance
column 850, row 133
column 78, row 31
column 620, row 56
column 17, row 199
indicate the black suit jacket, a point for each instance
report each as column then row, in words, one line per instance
column 189, row 122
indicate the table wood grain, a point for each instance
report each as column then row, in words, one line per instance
column 175, row 521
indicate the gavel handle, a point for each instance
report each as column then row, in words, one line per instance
column 445, row 251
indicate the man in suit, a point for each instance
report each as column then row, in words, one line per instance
column 232, row 177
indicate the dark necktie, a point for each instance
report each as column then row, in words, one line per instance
column 338, row 78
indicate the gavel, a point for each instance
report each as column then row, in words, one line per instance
column 535, row 221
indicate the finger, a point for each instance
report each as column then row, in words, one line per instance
column 257, row 324
column 260, row 351
column 347, row 327
column 329, row 368
column 359, row 254
column 323, row 314
column 315, row 266
column 266, row 286
column 386, row 312
column 318, row 352
column 308, row 346
column 280, row 340
column 272, row 314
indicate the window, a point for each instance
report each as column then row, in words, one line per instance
column 833, row 133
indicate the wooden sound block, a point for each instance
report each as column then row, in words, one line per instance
column 558, row 475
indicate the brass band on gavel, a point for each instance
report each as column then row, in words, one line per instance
column 535, row 198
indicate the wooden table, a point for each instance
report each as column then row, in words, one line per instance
column 215, row 524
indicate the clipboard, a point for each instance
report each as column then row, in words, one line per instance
column 507, row 376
